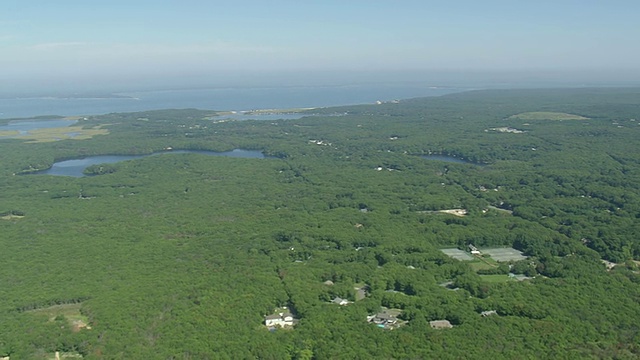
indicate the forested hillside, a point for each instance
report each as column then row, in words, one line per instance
column 181, row 256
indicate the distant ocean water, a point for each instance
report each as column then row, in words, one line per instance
column 219, row 99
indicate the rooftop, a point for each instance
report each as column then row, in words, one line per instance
column 440, row 324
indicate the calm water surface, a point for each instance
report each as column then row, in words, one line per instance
column 24, row 126
column 220, row 99
column 76, row 167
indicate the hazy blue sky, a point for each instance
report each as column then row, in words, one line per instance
column 43, row 42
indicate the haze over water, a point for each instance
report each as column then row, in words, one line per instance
column 304, row 92
column 216, row 99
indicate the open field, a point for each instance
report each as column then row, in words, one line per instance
column 546, row 115
column 457, row 254
column 504, row 254
column 487, row 264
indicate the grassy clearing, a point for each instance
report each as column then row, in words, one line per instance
column 503, row 211
column 490, row 261
column 392, row 311
column 71, row 313
column 483, row 263
column 361, row 293
column 479, row 265
column 546, row 115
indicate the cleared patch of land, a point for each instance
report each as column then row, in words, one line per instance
column 507, row 130
column 504, row 254
column 456, row 212
column 71, row 312
column 484, row 264
column 546, row 115
column 11, row 217
column 457, row 254
column 510, row 212
column 361, row 291
column 64, row 355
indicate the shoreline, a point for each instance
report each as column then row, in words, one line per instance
column 257, row 112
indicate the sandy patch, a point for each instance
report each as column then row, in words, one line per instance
column 456, row 212
column 11, row 217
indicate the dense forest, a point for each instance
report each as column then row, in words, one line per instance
column 181, row 256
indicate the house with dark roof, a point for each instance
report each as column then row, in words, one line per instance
column 387, row 319
column 340, row 301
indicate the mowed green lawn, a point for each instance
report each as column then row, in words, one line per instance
column 481, row 265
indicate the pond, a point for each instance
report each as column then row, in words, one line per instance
column 75, row 167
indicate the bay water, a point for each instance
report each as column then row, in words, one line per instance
column 220, row 99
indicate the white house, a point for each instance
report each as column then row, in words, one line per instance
column 474, row 250
column 488, row 313
column 279, row 319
